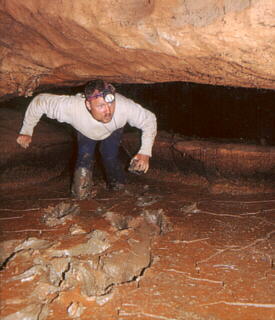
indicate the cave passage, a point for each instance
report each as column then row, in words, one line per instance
column 190, row 239
column 197, row 110
column 211, row 131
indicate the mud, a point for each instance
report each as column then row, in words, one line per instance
column 92, row 263
column 58, row 214
column 178, row 243
column 161, row 249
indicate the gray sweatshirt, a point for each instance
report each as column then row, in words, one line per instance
column 72, row 110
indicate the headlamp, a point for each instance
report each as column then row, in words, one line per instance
column 107, row 95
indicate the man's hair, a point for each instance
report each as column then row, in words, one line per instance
column 99, row 85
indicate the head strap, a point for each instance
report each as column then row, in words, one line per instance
column 107, row 95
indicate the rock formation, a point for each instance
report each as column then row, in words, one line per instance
column 92, row 263
column 66, row 43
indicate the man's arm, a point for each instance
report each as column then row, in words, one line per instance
column 32, row 116
column 42, row 104
column 144, row 120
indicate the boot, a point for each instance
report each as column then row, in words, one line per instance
column 82, row 183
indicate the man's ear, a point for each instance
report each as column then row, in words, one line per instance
column 87, row 103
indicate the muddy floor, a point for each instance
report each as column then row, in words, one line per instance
column 160, row 249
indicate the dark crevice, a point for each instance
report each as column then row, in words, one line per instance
column 6, row 261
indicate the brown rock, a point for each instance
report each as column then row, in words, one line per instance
column 23, row 167
column 69, row 42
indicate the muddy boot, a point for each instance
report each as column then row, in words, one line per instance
column 82, row 183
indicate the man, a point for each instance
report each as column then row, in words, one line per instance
column 99, row 116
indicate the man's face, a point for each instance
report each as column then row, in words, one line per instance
column 100, row 109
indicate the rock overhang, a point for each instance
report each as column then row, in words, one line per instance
column 217, row 42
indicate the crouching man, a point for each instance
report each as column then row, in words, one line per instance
column 99, row 116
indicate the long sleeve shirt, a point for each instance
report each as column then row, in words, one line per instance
column 72, row 110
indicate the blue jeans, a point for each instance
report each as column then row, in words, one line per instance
column 109, row 150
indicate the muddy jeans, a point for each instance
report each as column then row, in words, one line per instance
column 109, row 150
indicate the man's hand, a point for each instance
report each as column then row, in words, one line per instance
column 140, row 163
column 24, row 140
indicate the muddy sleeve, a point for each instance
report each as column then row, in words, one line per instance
column 144, row 120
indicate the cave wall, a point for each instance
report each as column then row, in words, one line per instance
column 205, row 111
column 57, row 43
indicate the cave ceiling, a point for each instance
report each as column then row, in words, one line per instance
column 66, row 43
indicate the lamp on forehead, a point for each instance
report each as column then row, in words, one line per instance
column 107, row 94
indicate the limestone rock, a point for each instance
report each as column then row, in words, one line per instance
column 220, row 42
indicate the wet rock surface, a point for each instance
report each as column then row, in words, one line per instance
column 58, row 214
column 179, row 243
column 222, row 167
column 189, row 254
column 93, row 263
